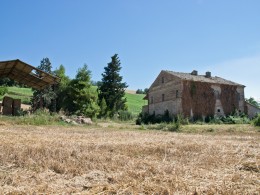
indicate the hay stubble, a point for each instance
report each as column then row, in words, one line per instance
column 101, row 160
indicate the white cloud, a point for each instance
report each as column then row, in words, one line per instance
column 244, row 71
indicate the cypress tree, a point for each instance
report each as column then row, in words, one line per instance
column 111, row 88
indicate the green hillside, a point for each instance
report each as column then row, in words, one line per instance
column 134, row 101
column 24, row 94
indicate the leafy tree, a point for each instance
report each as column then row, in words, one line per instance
column 61, row 88
column 252, row 101
column 44, row 98
column 139, row 91
column 81, row 98
column 103, row 108
column 4, row 81
column 111, row 88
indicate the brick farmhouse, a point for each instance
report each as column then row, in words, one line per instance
column 195, row 96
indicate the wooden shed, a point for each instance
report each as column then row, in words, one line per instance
column 27, row 74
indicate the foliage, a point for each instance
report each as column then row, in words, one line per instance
column 256, row 121
column 61, row 88
column 39, row 117
column 252, row 101
column 140, row 91
column 235, row 118
column 80, row 98
column 3, row 90
column 24, row 94
column 5, row 81
column 145, row 118
column 125, row 115
column 111, row 88
column 44, row 98
column 103, row 108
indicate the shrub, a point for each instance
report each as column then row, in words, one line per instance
column 40, row 117
column 235, row 118
column 3, row 90
column 257, row 121
column 125, row 115
column 152, row 118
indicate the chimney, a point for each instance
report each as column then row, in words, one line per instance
column 208, row 74
column 194, row 72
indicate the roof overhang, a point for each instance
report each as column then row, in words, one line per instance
column 26, row 74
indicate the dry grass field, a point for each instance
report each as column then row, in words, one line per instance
column 120, row 159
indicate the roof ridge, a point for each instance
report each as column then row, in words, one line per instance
column 202, row 78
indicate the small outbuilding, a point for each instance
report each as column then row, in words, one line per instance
column 26, row 74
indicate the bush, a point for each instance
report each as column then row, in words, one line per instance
column 3, row 90
column 153, row 119
column 125, row 115
column 256, row 121
column 235, row 118
column 40, row 117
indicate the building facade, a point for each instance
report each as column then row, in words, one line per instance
column 193, row 95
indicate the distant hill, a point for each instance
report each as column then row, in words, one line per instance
column 24, row 94
column 134, row 101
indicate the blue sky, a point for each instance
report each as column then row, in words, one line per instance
column 148, row 35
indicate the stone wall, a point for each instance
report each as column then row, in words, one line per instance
column 193, row 99
column 165, row 94
column 251, row 110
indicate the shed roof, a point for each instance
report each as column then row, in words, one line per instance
column 203, row 78
column 26, row 74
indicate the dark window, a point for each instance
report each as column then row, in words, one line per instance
column 177, row 93
column 152, row 100
column 162, row 97
column 218, row 110
column 162, row 79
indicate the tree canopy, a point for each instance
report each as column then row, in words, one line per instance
column 80, row 97
column 252, row 101
column 112, row 89
column 45, row 98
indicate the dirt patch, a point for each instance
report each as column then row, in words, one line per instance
column 25, row 107
column 130, row 91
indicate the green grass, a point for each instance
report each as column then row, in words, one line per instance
column 134, row 101
column 24, row 94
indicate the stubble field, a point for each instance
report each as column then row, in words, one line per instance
column 115, row 159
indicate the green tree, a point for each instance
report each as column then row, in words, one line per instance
column 139, row 91
column 61, row 88
column 81, row 98
column 252, row 101
column 111, row 88
column 46, row 97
